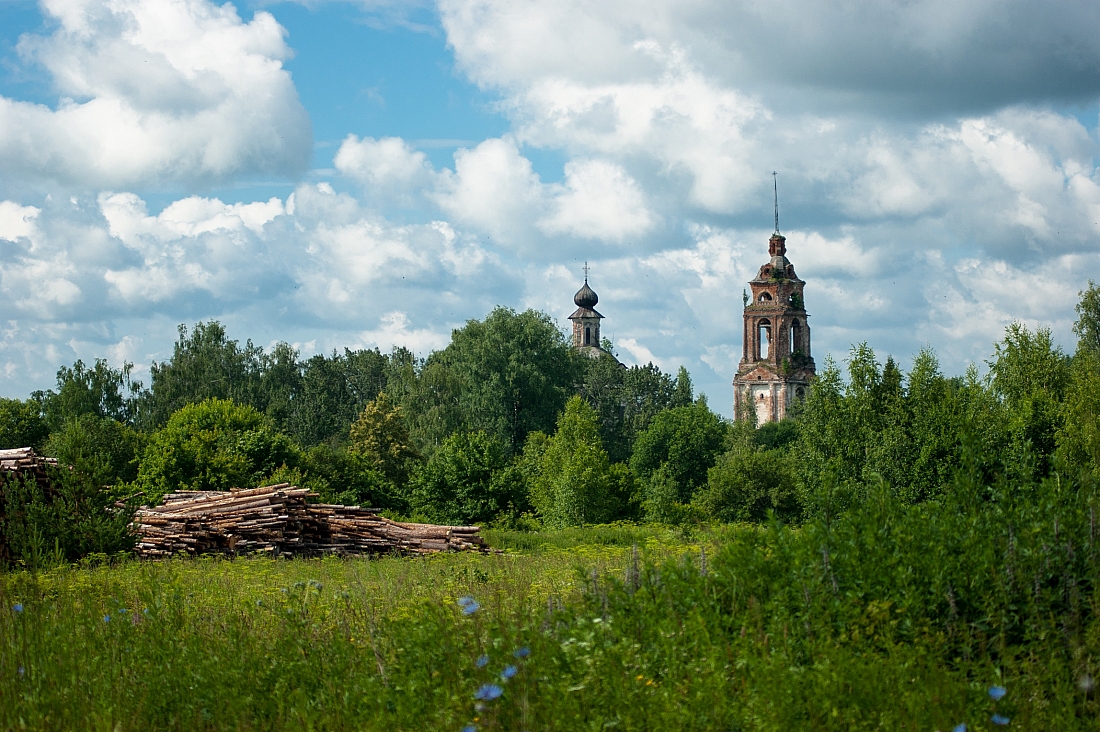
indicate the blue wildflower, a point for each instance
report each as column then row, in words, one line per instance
column 488, row 692
column 122, row 611
column 482, row 661
column 106, row 618
column 959, row 727
column 17, row 607
column 468, row 604
column 522, row 652
column 469, row 728
column 999, row 719
column 996, row 693
column 508, row 672
column 20, row 671
column 145, row 611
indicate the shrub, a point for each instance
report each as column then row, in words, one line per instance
column 468, row 480
column 747, row 483
column 213, row 445
column 686, row 440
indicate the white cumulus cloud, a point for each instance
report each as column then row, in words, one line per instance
column 156, row 91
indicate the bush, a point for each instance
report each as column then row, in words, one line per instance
column 468, row 480
column 686, row 440
column 113, row 447
column 747, row 483
column 79, row 518
column 381, row 438
column 214, row 445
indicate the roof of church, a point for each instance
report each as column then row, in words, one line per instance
column 584, row 313
column 586, row 298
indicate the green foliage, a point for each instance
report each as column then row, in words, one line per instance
column 1078, row 436
column 684, row 393
column 468, row 480
column 112, row 447
column 21, row 425
column 76, row 517
column 333, row 391
column 213, row 445
column 661, row 501
column 1087, row 326
column 571, row 484
column 381, row 438
column 99, row 390
column 749, row 483
column 207, row 364
column 343, row 477
column 879, row 424
column 508, row 375
column 1030, row 374
column 686, row 440
column 625, row 399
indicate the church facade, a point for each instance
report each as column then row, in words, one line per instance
column 776, row 364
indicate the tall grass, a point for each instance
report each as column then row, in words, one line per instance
column 888, row 617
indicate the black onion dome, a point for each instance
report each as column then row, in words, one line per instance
column 586, row 297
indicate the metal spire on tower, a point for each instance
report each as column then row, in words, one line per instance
column 585, row 272
column 775, row 186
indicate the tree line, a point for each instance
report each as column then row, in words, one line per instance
column 508, row 425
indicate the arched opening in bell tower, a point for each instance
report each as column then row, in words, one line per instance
column 796, row 336
column 587, row 336
column 764, row 338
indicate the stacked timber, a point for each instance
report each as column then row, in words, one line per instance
column 21, row 463
column 278, row 520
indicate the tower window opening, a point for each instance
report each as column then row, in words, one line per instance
column 796, row 336
column 764, row 339
column 587, row 335
column 765, row 297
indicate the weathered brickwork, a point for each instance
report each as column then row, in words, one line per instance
column 776, row 366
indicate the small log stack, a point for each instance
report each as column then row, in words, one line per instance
column 21, row 463
column 278, row 520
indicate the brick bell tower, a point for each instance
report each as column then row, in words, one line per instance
column 776, row 366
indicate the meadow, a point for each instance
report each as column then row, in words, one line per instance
column 888, row 617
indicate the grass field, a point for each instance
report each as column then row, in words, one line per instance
column 738, row 628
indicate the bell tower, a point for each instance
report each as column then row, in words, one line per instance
column 776, row 366
column 586, row 321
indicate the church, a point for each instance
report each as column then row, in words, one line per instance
column 776, row 366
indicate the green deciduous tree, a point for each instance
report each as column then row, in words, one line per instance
column 21, row 425
column 333, row 391
column 748, row 481
column 468, row 480
column 572, row 483
column 111, row 448
column 213, row 445
column 686, row 441
column 625, row 400
column 99, row 390
column 508, row 375
column 382, row 439
column 1087, row 326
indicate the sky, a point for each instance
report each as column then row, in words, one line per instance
column 375, row 173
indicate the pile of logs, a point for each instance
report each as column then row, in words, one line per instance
column 277, row 520
column 21, row 463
